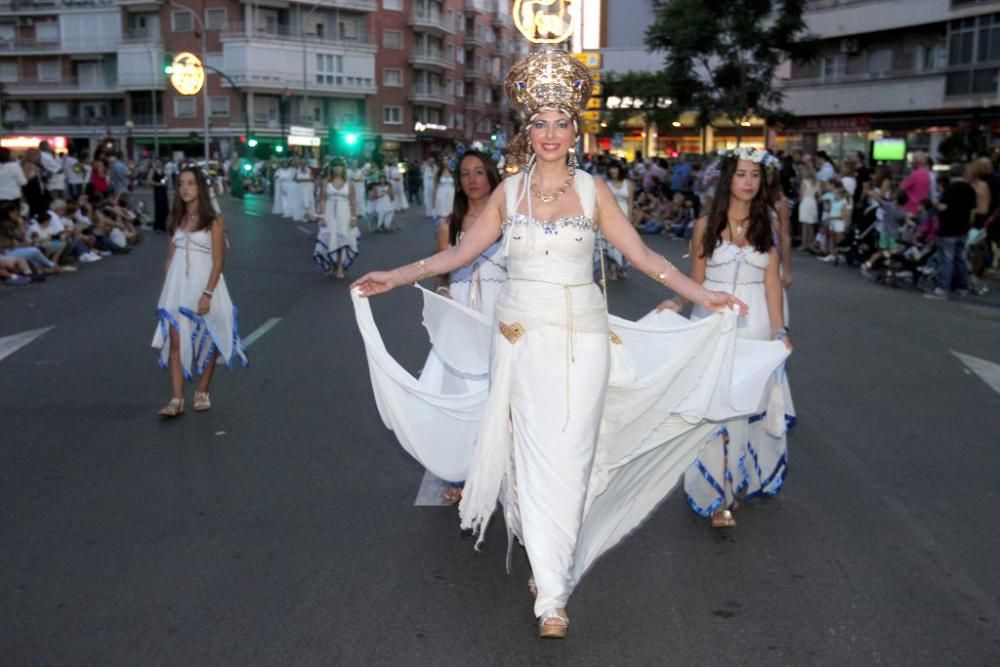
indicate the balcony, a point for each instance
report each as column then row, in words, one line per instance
column 868, row 93
column 478, row 73
column 478, row 6
column 433, row 59
column 73, row 86
column 273, row 66
column 140, row 65
column 474, row 104
column 293, row 34
column 422, row 20
column 842, row 18
column 16, row 47
column 477, row 38
column 430, row 94
column 141, row 36
column 66, row 125
column 502, row 18
column 357, row 5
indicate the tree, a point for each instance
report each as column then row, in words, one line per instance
column 721, row 55
column 644, row 94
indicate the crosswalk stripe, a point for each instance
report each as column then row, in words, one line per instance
column 260, row 331
column 431, row 491
column 987, row 371
column 11, row 344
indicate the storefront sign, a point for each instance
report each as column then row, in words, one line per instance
column 545, row 21
column 835, row 124
column 302, row 131
column 423, row 127
column 299, row 140
column 23, row 143
column 187, row 75
column 615, row 102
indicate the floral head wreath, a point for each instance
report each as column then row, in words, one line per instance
column 750, row 154
column 494, row 154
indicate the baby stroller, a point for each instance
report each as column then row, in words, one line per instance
column 861, row 240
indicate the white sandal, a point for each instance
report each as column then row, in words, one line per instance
column 201, row 401
column 174, row 408
column 552, row 625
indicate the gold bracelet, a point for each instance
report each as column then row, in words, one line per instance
column 661, row 277
column 424, row 273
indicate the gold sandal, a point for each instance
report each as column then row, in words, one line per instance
column 723, row 519
column 174, row 408
column 201, row 401
column 553, row 625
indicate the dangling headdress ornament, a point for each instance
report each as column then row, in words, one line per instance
column 549, row 80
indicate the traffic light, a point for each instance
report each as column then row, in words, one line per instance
column 351, row 138
column 252, row 142
column 279, row 149
column 247, row 166
column 168, row 64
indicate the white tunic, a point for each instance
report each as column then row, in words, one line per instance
column 337, row 240
column 444, row 195
column 749, row 461
column 200, row 336
column 612, row 253
column 589, row 430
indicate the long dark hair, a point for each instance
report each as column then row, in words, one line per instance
column 461, row 206
column 759, row 233
column 206, row 214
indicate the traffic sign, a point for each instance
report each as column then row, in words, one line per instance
column 592, row 59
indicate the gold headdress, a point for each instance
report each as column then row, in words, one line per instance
column 549, row 80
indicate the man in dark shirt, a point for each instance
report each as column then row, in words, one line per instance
column 956, row 205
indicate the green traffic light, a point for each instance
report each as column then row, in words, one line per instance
column 350, row 138
column 279, row 149
column 252, row 143
column 168, row 69
column 248, row 167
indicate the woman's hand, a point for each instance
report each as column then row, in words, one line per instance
column 204, row 304
column 784, row 338
column 786, row 279
column 376, row 282
column 719, row 301
column 671, row 304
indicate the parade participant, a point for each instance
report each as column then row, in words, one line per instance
column 337, row 241
column 395, row 176
column 382, row 205
column 302, row 194
column 356, row 174
column 733, row 249
column 156, row 177
column 197, row 319
column 621, row 188
column 477, row 285
column 429, row 171
column 281, row 182
column 589, row 428
column 443, row 192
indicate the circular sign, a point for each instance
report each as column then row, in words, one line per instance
column 187, row 74
column 545, row 21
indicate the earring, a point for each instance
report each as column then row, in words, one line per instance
column 531, row 160
column 571, row 162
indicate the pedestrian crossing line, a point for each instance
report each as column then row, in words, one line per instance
column 11, row 344
column 431, row 492
column 987, row 371
column 259, row 332
column 304, row 230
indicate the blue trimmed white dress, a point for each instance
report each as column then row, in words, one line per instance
column 752, row 458
column 588, row 421
column 336, row 239
column 201, row 337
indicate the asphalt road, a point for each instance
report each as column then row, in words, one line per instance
column 280, row 528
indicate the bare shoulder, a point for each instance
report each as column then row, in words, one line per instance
column 699, row 226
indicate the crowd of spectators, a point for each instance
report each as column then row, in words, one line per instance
column 60, row 211
column 935, row 228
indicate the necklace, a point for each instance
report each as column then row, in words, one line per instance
column 551, row 197
column 739, row 228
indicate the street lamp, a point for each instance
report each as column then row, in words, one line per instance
column 204, row 61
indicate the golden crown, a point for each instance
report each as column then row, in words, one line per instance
column 548, row 80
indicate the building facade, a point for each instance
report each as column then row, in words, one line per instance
column 418, row 73
column 922, row 70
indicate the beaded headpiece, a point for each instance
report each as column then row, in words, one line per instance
column 548, row 80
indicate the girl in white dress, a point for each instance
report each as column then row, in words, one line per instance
column 357, row 177
column 337, row 241
column 808, row 207
column 395, row 176
column 477, row 285
column 197, row 319
column 382, row 203
column 429, row 172
column 280, row 190
column 303, row 195
column 733, row 249
column 444, row 192
column 570, row 492
column 621, row 188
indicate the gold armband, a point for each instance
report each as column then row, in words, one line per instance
column 661, row 277
column 424, row 273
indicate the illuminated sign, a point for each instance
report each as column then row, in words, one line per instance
column 614, row 102
column 187, row 75
column 22, row 143
column 421, row 127
column 299, row 140
column 545, row 21
column 302, row 131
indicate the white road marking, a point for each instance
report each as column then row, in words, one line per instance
column 431, row 491
column 260, row 331
column 987, row 371
column 11, row 344
column 304, row 230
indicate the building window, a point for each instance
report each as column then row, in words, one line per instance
column 351, row 29
column 215, row 18
column 8, row 72
column 392, row 77
column 833, row 68
column 392, row 115
column 184, row 107
column 219, row 106
column 182, row 21
column 393, row 5
column 57, row 109
column 47, row 32
column 49, row 71
column 329, row 69
column 972, row 43
column 460, row 89
column 879, row 61
column 392, row 39
column 459, row 121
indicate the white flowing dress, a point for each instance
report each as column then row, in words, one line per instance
column 201, row 337
column 612, row 253
column 584, row 428
column 395, row 177
column 337, row 240
column 751, row 460
column 357, row 177
column 444, row 195
column 279, row 192
column 428, row 176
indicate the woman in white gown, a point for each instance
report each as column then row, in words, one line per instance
column 477, row 285
column 280, row 190
column 574, row 427
column 733, row 249
column 196, row 317
column 357, row 175
column 444, row 192
column 383, row 207
column 429, row 172
column 337, row 240
column 621, row 188
column 395, row 176
column 303, row 195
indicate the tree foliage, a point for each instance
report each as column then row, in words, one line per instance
column 721, row 55
column 647, row 91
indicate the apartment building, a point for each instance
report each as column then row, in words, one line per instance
column 421, row 73
column 923, row 70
